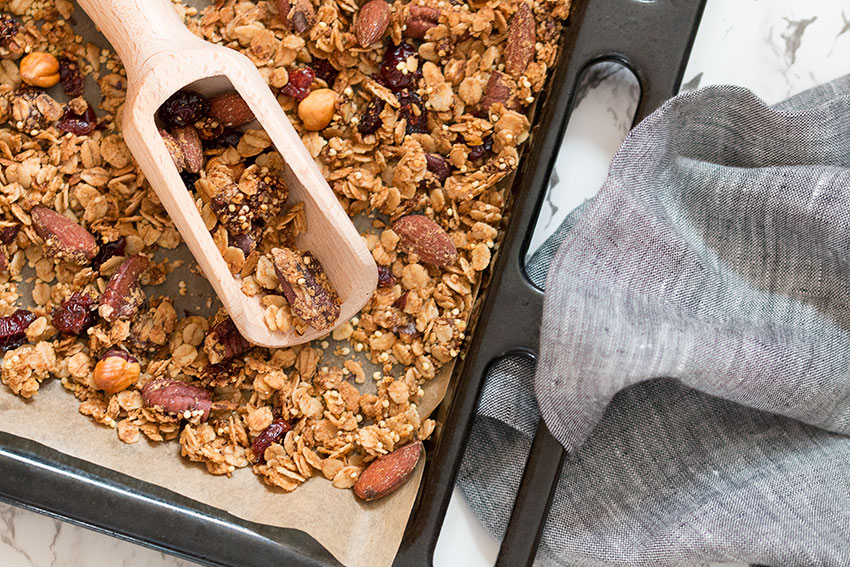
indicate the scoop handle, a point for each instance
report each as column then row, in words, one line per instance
column 139, row 29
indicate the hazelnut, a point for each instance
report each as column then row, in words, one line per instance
column 40, row 69
column 317, row 109
column 116, row 370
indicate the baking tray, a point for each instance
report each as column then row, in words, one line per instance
column 653, row 39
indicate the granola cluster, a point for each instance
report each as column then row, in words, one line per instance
column 427, row 111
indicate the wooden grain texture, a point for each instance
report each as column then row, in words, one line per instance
column 162, row 57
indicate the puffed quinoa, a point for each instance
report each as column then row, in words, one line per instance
column 388, row 152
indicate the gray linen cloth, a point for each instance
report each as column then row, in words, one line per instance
column 695, row 347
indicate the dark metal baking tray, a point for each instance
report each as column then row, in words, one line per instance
column 653, row 38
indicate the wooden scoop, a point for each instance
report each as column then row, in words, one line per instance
column 161, row 57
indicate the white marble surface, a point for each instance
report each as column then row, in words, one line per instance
column 775, row 47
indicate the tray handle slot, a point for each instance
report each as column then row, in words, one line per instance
column 658, row 60
column 652, row 39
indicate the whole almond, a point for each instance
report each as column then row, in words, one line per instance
column 425, row 238
column 173, row 150
column 522, row 36
column 190, row 144
column 176, row 397
column 421, row 19
column 63, row 238
column 386, row 474
column 123, row 294
column 230, row 109
column 498, row 90
column 372, row 21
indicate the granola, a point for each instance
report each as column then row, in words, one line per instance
column 416, row 111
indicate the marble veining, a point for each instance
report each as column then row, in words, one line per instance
column 793, row 37
column 28, row 539
column 775, row 47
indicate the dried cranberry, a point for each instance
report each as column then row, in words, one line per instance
column 483, row 151
column 229, row 343
column 8, row 26
column 371, row 119
column 401, row 302
column 108, row 250
column 274, row 433
column 299, row 83
column 385, row 277
column 189, row 179
column 183, row 108
column 438, row 166
column 244, row 242
column 8, row 234
column 72, row 79
column 78, row 124
column 396, row 56
column 13, row 329
column 229, row 137
column 413, row 109
column 75, row 314
column 324, row 70
column 120, row 353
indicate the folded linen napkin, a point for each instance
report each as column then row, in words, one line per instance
column 695, row 346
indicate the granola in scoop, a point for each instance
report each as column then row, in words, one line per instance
column 411, row 109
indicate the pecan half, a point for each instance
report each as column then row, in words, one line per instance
column 123, row 294
column 386, row 474
column 63, row 238
column 522, row 36
column 176, row 397
column 306, row 287
column 420, row 20
column 498, row 90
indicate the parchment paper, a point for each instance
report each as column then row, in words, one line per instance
column 358, row 534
